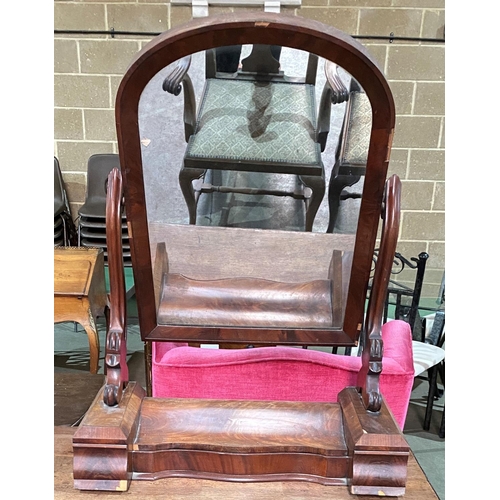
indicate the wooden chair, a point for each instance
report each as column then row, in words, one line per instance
column 216, row 284
column 255, row 119
column 351, row 153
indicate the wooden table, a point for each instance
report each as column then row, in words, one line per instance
column 417, row 487
column 80, row 292
column 73, row 395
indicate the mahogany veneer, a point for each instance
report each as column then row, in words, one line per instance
column 126, row 435
column 328, row 443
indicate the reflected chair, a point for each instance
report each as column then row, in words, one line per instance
column 255, row 119
column 351, row 153
column 248, row 286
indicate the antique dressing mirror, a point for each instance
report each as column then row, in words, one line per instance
column 246, row 286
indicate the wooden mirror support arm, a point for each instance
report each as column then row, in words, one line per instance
column 371, row 336
column 116, row 338
column 175, row 81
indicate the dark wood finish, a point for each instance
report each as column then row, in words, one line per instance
column 103, row 441
column 378, row 451
column 138, row 437
column 116, row 342
column 127, row 435
column 202, row 34
column 295, row 258
column 80, row 292
column 244, row 302
column 368, row 377
column 241, row 441
column 417, row 485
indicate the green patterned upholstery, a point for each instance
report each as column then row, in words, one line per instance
column 358, row 130
column 263, row 122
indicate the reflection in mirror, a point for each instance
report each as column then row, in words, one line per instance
column 261, row 178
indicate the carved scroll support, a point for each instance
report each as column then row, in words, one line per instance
column 371, row 337
column 103, row 443
column 116, row 338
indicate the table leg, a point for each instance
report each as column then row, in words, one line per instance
column 93, row 336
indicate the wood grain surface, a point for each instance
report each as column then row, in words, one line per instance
column 417, row 487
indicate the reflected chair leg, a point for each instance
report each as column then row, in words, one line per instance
column 337, row 184
column 317, row 186
column 186, row 178
column 94, row 346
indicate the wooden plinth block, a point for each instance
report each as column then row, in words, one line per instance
column 377, row 449
column 102, row 443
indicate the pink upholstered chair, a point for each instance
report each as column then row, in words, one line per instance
column 281, row 373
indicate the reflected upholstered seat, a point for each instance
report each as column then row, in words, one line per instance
column 256, row 119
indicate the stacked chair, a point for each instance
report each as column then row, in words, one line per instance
column 92, row 215
column 64, row 227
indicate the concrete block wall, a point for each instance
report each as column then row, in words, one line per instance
column 88, row 69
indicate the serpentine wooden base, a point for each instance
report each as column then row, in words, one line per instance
column 329, row 443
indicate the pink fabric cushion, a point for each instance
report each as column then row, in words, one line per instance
column 280, row 373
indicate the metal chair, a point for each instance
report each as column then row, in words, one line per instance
column 427, row 331
column 64, row 227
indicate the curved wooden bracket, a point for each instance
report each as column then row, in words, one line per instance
column 116, row 338
column 339, row 92
column 371, row 336
column 174, row 82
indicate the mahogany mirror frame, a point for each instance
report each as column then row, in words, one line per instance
column 264, row 28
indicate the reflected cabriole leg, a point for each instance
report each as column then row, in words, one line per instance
column 337, row 184
column 317, row 186
column 186, row 178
